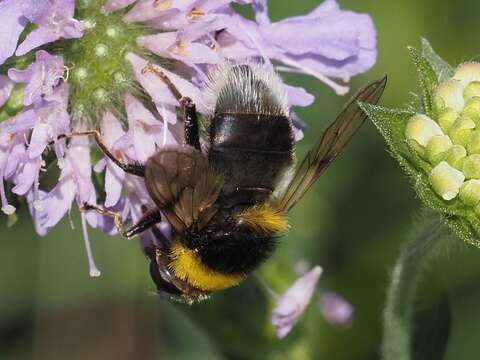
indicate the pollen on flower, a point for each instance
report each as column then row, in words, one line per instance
column 162, row 4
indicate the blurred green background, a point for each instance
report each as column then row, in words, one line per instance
column 353, row 223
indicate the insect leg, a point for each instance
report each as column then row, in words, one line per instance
column 132, row 168
column 192, row 136
column 117, row 217
column 149, row 219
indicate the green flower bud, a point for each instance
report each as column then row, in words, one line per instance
column 446, row 180
column 470, row 192
column 444, row 139
column 449, row 95
column 421, row 128
column 472, row 109
column 471, row 166
column 447, row 119
column 461, row 130
column 455, row 156
column 437, row 147
column 472, row 90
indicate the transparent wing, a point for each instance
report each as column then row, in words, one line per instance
column 183, row 185
column 333, row 140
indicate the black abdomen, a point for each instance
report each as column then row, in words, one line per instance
column 253, row 151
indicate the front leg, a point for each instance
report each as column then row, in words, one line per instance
column 148, row 219
column 191, row 131
column 129, row 168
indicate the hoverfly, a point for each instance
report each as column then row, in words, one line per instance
column 221, row 200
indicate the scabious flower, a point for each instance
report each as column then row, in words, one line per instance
column 292, row 304
column 70, row 65
column 438, row 143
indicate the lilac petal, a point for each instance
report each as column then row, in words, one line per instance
column 35, row 10
column 38, row 140
column 158, row 90
column 36, row 38
column 298, row 96
column 12, row 23
column 6, row 87
column 111, row 132
column 139, row 121
column 25, row 179
column 336, row 310
column 260, row 7
column 59, row 201
column 326, row 6
column 114, row 5
column 18, row 155
column 79, row 158
column 20, row 122
column 39, row 216
column 100, row 165
column 145, row 10
column 292, row 304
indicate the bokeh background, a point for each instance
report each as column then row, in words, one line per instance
column 352, row 223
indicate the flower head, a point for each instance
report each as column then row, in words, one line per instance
column 78, row 66
column 439, row 144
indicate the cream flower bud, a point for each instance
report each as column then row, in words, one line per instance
column 470, row 192
column 447, row 119
column 455, row 156
column 468, row 72
column 471, row 90
column 421, row 128
column 449, row 95
column 437, row 147
column 471, row 166
column 446, row 180
column 472, row 109
column 461, row 130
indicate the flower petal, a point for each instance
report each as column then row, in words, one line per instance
column 12, row 23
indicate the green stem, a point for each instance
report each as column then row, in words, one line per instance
column 425, row 238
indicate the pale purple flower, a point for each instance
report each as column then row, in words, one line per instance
column 74, row 183
column 54, row 20
column 197, row 34
column 6, row 87
column 334, row 43
column 12, row 23
column 41, row 77
column 180, row 46
column 114, row 5
column 111, row 131
column 335, row 309
column 292, row 304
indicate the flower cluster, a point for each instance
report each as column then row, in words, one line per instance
column 69, row 65
column 452, row 145
column 438, row 144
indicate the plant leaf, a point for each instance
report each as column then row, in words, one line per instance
column 427, row 81
column 443, row 70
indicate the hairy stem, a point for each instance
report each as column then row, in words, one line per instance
column 424, row 240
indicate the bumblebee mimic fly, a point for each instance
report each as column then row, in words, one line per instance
column 227, row 195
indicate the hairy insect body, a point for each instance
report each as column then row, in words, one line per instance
column 225, row 205
column 253, row 152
